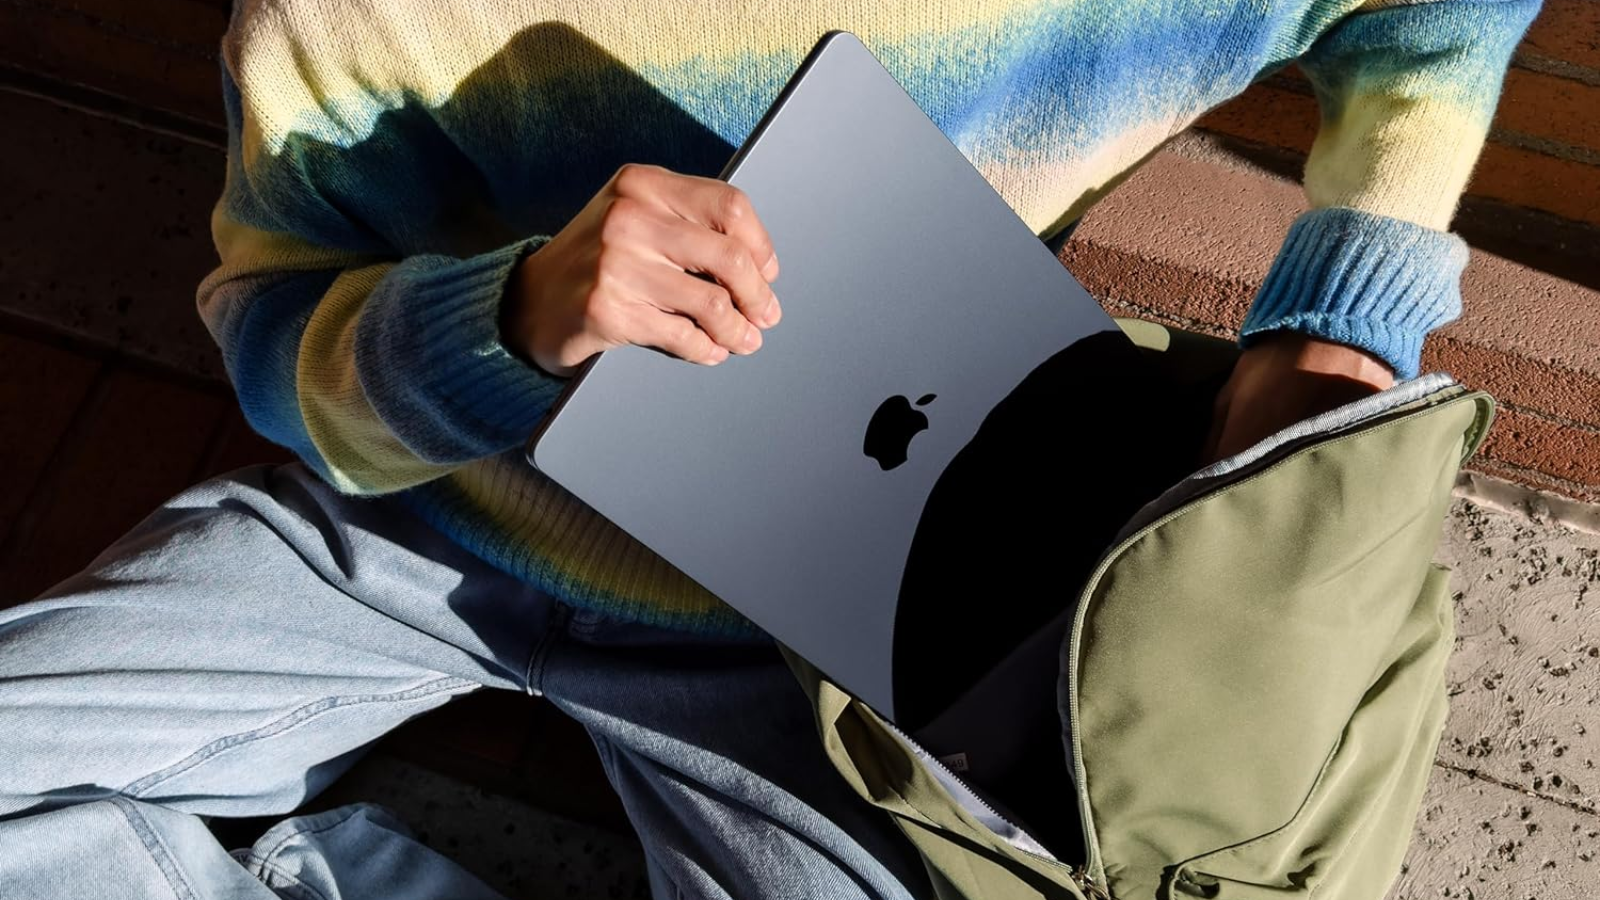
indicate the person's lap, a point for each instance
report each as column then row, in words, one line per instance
column 240, row 648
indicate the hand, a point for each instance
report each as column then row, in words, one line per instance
column 620, row 273
column 1286, row 377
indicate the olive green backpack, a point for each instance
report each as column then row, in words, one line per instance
column 1254, row 677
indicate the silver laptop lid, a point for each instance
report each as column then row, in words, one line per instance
column 790, row 483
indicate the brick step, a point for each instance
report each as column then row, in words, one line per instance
column 1188, row 239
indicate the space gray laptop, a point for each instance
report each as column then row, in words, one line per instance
column 794, row 482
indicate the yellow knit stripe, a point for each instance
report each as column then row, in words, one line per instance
column 371, row 54
column 1050, row 189
column 590, row 554
column 245, row 251
column 361, row 454
column 1375, row 158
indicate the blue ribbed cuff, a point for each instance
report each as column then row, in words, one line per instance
column 432, row 365
column 1357, row 278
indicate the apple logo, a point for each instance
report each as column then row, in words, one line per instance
column 891, row 429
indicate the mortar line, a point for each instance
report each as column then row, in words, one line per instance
column 1577, row 488
column 1478, row 775
column 194, row 51
column 22, row 326
column 113, row 107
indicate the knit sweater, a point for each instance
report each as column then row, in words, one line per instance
column 390, row 162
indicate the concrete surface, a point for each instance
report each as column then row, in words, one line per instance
column 105, row 231
column 523, row 852
column 1513, row 809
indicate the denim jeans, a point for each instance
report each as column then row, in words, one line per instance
column 241, row 647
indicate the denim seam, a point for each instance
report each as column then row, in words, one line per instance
column 534, row 676
column 265, row 860
column 297, row 717
column 287, row 883
column 159, row 854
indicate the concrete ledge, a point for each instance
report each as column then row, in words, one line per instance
column 1518, row 499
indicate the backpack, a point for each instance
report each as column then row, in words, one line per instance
column 1253, row 679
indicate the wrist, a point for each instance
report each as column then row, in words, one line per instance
column 1290, row 351
column 518, row 307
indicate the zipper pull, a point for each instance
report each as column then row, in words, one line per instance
column 1080, row 877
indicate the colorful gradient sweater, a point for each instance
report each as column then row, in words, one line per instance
column 390, row 162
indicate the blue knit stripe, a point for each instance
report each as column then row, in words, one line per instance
column 1370, row 281
column 431, row 362
column 259, row 335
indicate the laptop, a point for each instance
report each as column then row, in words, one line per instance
column 838, row 484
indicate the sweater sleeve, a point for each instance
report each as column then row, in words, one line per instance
column 1407, row 91
column 351, row 333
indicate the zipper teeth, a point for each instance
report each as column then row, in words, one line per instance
column 1079, row 875
column 971, row 794
column 1093, row 866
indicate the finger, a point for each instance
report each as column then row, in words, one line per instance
column 696, row 248
column 707, row 304
column 722, row 207
column 678, row 336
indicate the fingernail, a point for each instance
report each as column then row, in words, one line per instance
column 769, row 269
column 773, row 314
column 718, row 356
column 752, row 338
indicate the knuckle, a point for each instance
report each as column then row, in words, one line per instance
column 683, row 334
column 732, row 256
column 619, row 220
column 631, row 177
column 733, row 204
column 711, row 301
column 598, row 314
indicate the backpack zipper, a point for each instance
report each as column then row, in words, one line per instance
column 965, row 796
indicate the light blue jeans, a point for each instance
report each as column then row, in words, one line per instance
column 238, row 650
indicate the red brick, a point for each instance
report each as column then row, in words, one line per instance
column 75, row 50
column 1267, row 115
column 1527, row 440
column 138, row 445
column 1516, row 379
column 1568, row 30
column 40, row 388
column 1527, row 178
column 1538, row 481
column 1549, row 107
column 1538, row 105
column 194, row 25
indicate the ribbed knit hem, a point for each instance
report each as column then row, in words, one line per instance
column 432, row 364
column 617, row 581
column 1369, row 281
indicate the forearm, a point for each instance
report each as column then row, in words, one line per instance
column 380, row 375
column 1407, row 92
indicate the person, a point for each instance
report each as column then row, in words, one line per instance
column 433, row 213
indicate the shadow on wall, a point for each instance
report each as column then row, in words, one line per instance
column 1527, row 235
column 1534, row 196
